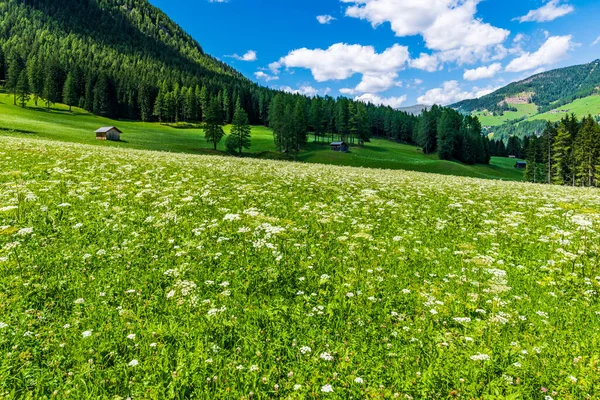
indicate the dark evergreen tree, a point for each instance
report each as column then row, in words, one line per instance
column 69, row 92
column 23, row 92
column 35, row 74
column 52, row 83
column 12, row 77
column 213, row 130
column 239, row 137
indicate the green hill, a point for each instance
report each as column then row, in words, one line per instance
column 545, row 96
column 79, row 126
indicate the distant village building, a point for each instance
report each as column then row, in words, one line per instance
column 521, row 165
column 342, row 147
column 109, row 133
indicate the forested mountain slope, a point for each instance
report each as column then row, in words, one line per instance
column 121, row 48
column 547, row 90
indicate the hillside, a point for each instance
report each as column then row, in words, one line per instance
column 78, row 126
column 547, row 91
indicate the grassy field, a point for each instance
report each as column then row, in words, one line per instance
column 152, row 275
column 79, row 126
column 581, row 107
column 523, row 110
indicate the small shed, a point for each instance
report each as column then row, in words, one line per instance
column 521, row 165
column 342, row 147
column 109, row 133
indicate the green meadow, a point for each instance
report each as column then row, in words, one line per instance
column 523, row 111
column 78, row 126
column 581, row 107
column 131, row 274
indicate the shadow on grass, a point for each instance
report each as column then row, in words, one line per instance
column 11, row 130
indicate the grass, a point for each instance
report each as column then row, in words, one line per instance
column 523, row 111
column 581, row 107
column 79, row 126
column 152, row 275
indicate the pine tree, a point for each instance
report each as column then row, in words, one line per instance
column 204, row 102
column 101, row 96
column 448, row 129
column 239, row 138
column 35, row 73
column 561, row 151
column 145, row 102
column 13, row 74
column 52, row 92
column 213, row 130
column 587, row 152
column 362, row 124
column 69, row 92
column 23, row 93
column 299, row 125
column 2, row 72
column 548, row 139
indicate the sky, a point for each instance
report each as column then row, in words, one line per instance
column 392, row 52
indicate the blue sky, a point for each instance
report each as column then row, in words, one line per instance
column 395, row 52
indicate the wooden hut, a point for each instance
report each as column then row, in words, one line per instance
column 521, row 165
column 109, row 133
column 342, row 147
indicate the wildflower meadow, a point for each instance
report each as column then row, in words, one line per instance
column 127, row 274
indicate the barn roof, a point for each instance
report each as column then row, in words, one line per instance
column 106, row 129
column 338, row 143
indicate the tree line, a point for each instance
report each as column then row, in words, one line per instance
column 453, row 135
column 567, row 153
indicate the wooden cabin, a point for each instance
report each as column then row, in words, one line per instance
column 109, row 133
column 341, row 147
column 521, row 165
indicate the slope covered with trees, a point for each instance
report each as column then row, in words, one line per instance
column 547, row 90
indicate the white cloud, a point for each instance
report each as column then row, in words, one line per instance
column 518, row 38
column 596, row 41
column 446, row 25
column 341, row 61
column 553, row 50
column 482, row 72
column 426, row 62
column 264, row 76
column 394, row 102
column 305, row 90
column 325, row 19
column 249, row 56
column 552, row 10
column 451, row 92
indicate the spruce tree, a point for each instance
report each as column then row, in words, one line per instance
column 69, row 92
column 587, row 152
column 23, row 93
column 52, row 92
column 239, row 137
column 213, row 129
column 35, row 73
column 12, row 76
column 561, row 151
column 145, row 102
column 204, row 102
column 299, row 125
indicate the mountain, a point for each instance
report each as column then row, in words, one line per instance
column 547, row 90
column 415, row 110
column 127, row 47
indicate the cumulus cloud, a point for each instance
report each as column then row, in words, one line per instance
column 264, row 76
column 549, row 12
column 445, row 25
column 341, row 61
column 553, row 50
column 426, row 62
column 394, row 102
column 325, row 19
column 451, row 92
column 596, row 41
column 305, row 90
column 249, row 56
column 482, row 72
